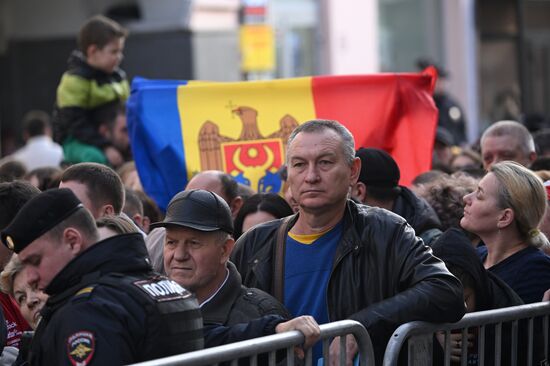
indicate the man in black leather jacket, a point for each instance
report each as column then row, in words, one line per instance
column 378, row 272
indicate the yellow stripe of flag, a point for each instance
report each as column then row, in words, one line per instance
column 241, row 127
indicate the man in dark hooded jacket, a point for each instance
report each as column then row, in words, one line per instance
column 378, row 186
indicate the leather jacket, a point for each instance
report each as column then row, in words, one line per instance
column 235, row 303
column 382, row 275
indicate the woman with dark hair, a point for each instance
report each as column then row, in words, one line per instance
column 445, row 196
column 259, row 208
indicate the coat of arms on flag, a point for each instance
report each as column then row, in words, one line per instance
column 252, row 159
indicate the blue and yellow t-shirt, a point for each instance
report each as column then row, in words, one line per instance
column 308, row 264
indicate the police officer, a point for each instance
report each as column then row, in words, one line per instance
column 106, row 306
column 451, row 114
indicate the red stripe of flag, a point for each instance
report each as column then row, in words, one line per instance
column 394, row 112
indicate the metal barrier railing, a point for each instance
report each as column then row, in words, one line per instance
column 420, row 335
column 271, row 344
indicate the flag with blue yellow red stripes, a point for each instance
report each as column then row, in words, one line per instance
column 178, row 128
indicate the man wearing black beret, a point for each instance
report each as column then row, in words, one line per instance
column 106, row 306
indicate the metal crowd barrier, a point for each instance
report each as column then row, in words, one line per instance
column 271, row 344
column 420, row 336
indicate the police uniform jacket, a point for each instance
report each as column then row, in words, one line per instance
column 235, row 303
column 107, row 307
column 382, row 274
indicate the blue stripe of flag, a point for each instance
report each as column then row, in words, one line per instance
column 155, row 134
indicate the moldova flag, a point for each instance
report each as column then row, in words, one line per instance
column 179, row 128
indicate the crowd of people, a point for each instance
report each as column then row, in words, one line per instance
column 102, row 276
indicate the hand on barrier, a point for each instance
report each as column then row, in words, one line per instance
column 309, row 328
column 456, row 344
column 351, row 350
column 546, row 296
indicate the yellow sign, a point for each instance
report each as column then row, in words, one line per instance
column 257, row 47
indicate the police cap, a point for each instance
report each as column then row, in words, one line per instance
column 198, row 209
column 38, row 216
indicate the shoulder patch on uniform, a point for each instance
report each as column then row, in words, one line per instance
column 162, row 289
column 85, row 290
column 81, row 348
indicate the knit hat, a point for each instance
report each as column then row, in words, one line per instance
column 378, row 169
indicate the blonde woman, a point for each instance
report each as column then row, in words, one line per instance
column 13, row 280
column 505, row 211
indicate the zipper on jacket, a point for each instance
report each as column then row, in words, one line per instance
column 336, row 263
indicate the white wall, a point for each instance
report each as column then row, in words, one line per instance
column 216, row 56
column 350, row 43
column 461, row 56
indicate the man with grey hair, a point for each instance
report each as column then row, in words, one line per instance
column 336, row 259
column 507, row 140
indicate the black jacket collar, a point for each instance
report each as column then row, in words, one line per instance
column 120, row 253
column 217, row 310
column 77, row 65
column 418, row 213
